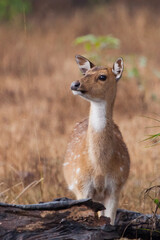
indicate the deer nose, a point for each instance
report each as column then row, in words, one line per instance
column 75, row 85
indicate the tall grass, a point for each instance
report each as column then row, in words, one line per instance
column 38, row 111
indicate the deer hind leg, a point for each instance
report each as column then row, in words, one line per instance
column 111, row 204
column 78, row 195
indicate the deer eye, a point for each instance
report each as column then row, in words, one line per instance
column 102, row 77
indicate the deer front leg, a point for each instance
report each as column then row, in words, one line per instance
column 111, row 204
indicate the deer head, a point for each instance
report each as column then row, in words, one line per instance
column 98, row 83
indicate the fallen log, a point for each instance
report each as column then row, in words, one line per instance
column 133, row 225
column 73, row 219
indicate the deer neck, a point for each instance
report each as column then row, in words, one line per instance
column 100, row 135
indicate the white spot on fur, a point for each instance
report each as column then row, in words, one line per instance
column 78, row 170
column 77, row 140
column 65, row 164
column 71, row 187
column 98, row 118
column 76, row 182
column 121, row 169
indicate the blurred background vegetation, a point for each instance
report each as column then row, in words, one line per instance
column 11, row 9
column 38, row 42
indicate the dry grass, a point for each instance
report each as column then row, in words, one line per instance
column 38, row 111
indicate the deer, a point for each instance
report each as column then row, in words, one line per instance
column 97, row 161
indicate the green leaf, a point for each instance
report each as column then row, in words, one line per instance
column 88, row 47
column 87, row 38
column 151, row 137
column 157, row 202
column 133, row 73
column 9, row 9
column 98, row 42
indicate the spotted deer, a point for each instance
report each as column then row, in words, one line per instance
column 97, row 161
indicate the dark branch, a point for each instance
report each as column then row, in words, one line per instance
column 73, row 219
column 58, row 204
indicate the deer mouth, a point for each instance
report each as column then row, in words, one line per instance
column 76, row 88
column 82, row 91
column 78, row 91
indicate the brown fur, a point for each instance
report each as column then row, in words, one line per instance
column 78, row 146
column 102, row 176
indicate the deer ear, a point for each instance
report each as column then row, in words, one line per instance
column 118, row 68
column 84, row 64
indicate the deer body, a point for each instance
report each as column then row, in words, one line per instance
column 97, row 161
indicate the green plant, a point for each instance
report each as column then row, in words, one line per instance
column 92, row 42
column 157, row 202
column 142, row 61
column 153, row 193
column 133, row 72
column 94, row 45
column 153, row 138
column 137, row 64
column 11, row 8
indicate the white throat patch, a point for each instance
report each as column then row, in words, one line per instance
column 98, row 115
